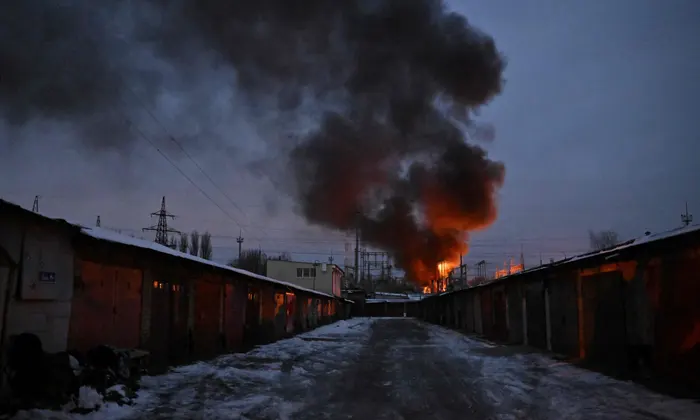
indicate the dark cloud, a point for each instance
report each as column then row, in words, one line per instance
column 410, row 75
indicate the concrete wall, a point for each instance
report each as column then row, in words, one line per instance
column 325, row 281
column 44, row 277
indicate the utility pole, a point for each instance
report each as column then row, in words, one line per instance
column 240, row 243
column 686, row 218
column 522, row 258
column 35, row 206
column 162, row 230
column 98, row 223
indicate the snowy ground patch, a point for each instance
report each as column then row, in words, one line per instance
column 532, row 385
column 271, row 381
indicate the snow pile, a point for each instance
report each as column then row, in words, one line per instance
column 90, row 406
column 345, row 328
column 89, row 398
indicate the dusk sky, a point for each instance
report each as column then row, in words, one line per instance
column 596, row 127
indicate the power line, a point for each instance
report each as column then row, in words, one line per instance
column 142, row 135
column 204, row 193
column 311, row 239
column 182, row 148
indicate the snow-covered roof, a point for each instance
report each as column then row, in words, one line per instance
column 390, row 301
column 646, row 239
column 115, row 237
column 390, row 294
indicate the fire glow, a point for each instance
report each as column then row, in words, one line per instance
column 508, row 269
column 438, row 283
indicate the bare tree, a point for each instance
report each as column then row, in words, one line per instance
column 603, row 239
column 284, row 256
column 183, row 245
column 194, row 243
column 172, row 242
column 205, row 248
column 253, row 260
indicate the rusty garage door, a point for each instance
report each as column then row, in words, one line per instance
column 159, row 334
column 563, row 314
column 535, row 312
column 106, row 307
column 234, row 315
column 487, row 312
column 604, row 320
column 514, row 297
column 207, row 322
column 500, row 315
column 678, row 329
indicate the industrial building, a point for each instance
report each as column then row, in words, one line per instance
column 324, row 277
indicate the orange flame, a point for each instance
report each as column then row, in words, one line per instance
column 449, row 222
column 508, row 269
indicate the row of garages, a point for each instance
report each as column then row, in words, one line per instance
column 616, row 310
column 77, row 287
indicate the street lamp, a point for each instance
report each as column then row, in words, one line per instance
column 316, row 263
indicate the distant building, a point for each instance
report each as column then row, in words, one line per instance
column 324, row 277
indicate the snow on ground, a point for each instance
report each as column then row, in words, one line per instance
column 386, row 368
column 271, row 381
column 525, row 384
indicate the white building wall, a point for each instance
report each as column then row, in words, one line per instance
column 287, row 271
column 43, row 306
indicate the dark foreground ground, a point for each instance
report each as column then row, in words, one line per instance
column 387, row 368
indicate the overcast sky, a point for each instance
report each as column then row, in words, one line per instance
column 597, row 127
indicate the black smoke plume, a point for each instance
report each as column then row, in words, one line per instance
column 391, row 87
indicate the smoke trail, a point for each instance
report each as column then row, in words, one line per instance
column 404, row 78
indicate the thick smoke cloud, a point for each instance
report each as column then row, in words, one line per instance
column 71, row 61
column 391, row 86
